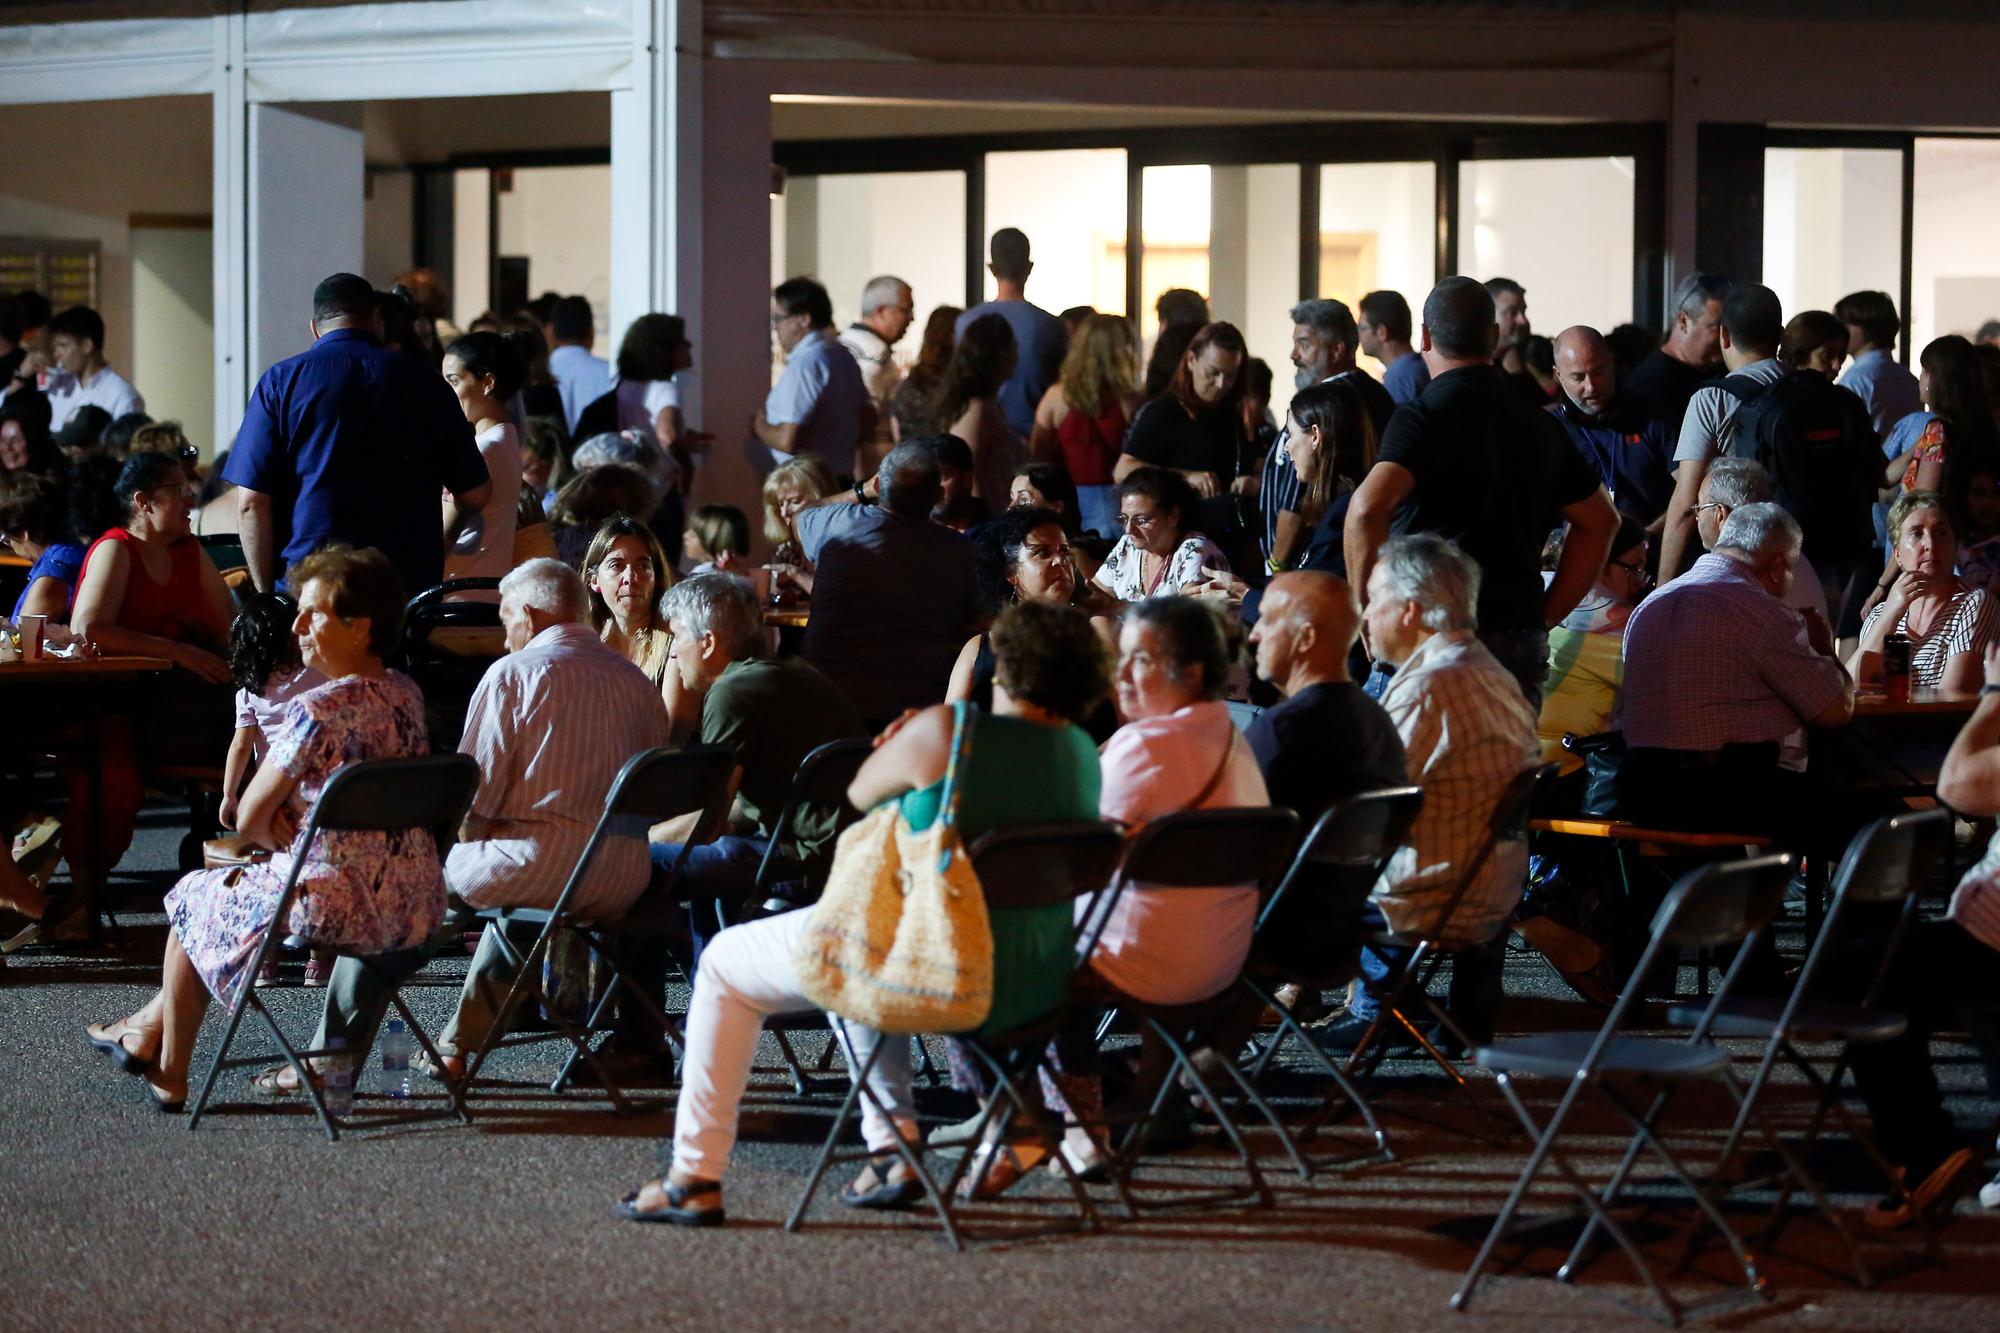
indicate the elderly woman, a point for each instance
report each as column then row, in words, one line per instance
column 365, row 891
column 33, row 525
column 1948, row 621
column 1026, row 763
column 1158, row 553
column 25, row 443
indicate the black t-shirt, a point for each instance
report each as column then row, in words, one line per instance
column 1376, row 398
column 1659, row 387
column 1492, row 474
column 1211, row 440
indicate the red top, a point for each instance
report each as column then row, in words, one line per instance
column 170, row 610
column 1091, row 445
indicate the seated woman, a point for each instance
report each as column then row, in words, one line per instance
column 792, row 485
column 1022, row 556
column 959, row 507
column 717, row 541
column 364, row 891
column 1948, row 621
column 149, row 589
column 1026, row 763
column 33, row 524
column 594, row 497
column 1331, row 445
column 1047, row 486
column 627, row 573
column 1587, row 651
column 1158, row 553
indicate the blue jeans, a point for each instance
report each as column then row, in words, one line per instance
column 716, row 877
column 1473, row 1000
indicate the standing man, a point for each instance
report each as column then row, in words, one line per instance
column 1510, row 351
column 819, row 405
column 1663, row 381
column 351, row 442
column 1385, row 335
column 1473, row 463
column 1324, row 340
column 887, row 309
column 1889, row 391
column 581, row 378
column 1633, row 454
column 1038, row 335
column 78, row 375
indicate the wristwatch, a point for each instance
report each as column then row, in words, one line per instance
column 860, row 495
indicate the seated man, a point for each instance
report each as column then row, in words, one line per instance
column 1467, row 732
column 776, row 712
column 550, row 725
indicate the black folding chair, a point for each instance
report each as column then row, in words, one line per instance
column 1348, row 845
column 1036, row 866
column 1195, row 849
column 1410, row 989
column 1888, row 863
column 447, row 647
column 653, row 786
column 1726, row 903
column 431, row 792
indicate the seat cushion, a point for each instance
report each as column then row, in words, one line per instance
column 1757, row 1016
column 1561, row 1054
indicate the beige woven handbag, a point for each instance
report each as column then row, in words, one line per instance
column 900, row 940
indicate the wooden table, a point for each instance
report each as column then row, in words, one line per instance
column 1892, row 745
column 787, row 617
column 88, row 671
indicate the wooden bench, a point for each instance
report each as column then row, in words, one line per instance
column 1650, row 841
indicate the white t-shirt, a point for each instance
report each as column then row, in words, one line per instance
column 485, row 545
column 107, row 389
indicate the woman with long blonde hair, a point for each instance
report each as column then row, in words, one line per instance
column 1082, row 419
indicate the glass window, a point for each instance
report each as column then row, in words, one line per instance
column 845, row 229
column 559, row 220
column 1954, row 268
column 1253, row 261
column 1561, row 227
column 1832, row 224
column 1377, row 231
column 1071, row 204
column 1176, row 210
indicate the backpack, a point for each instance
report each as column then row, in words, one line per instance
column 1816, row 441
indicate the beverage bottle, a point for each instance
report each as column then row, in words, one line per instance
column 396, row 1058
column 1896, row 666
column 339, row 1086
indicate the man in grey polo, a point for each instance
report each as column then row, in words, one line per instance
column 819, row 404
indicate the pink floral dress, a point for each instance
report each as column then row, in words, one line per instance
column 364, row 891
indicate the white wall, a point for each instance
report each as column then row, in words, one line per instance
column 173, row 329
column 471, row 245
column 1397, row 202
column 1954, row 264
column 388, row 236
column 1561, row 227
column 1254, row 262
column 910, row 224
column 560, row 217
column 1071, row 203
column 1831, row 224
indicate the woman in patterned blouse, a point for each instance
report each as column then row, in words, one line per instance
column 1949, row 622
column 1158, row 553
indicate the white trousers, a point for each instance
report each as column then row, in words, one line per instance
column 745, row 977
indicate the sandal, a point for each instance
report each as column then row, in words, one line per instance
column 996, row 1168
column 677, row 1211
column 446, row 1069
column 886, row 1183
column 271, row 1082
column 161, row 1101
column 128, row 1060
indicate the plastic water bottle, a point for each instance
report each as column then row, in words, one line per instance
column 396, row 1058
column 339, row 1086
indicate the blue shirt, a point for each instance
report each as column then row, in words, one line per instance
column 1632, row 453
column 60, row 560
column 1405, row 379
column 581, row 379
column 1889, row 391
column 1041, row 340
column 821, row 391
column 355, row 443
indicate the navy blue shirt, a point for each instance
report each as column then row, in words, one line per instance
column 355, row 443
column 1633, row 453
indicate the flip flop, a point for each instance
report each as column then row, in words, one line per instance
column 159, row 1099
column 994, row 1172
column 878, row 1187
column 676, row 1212
column 266, row 1082
column 99, row 1035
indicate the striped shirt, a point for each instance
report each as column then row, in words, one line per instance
column 550, row 726
column 1975, row 904
column 1712, row 659
column 1467, row 732
column 1966, row 626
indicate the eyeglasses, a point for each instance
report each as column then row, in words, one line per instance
column 1637, row 569
column 1140, row 521
column 1710, row 504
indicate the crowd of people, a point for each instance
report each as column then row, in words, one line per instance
column 1459, row 548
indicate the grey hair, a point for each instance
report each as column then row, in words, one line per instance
column 1693, row 293
column 1760, row 529
column 723, row 605
column 1331, row 319
column 1736, row 482
column 549, row 586
column 1434, row 573
column 880, row 292
column 635, row 446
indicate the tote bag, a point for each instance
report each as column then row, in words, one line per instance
column 900, row 940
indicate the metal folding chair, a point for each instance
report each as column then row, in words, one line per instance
column 1887, row 863
column 1714, row 905
column 447, row 647
column 1411, row 988
column 1349, row 844
column 1042, row 865
column 1195, row 849
column 654, row 786
column 431, row 792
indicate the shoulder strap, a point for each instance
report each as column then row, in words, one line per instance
column 1221, row 766
column 961, row 741
column 1742, row 387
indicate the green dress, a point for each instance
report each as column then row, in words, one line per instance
column 1017, row 772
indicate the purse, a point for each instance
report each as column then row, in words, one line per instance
column 900, row 939
column 231, row 851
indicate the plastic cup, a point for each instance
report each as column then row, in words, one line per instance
column 760, row 579
column 31, row 637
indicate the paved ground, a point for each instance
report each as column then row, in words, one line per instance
column 115, row 1217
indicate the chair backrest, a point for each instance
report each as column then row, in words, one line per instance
column 1204, row 848
column 1357, row 832
column 1724, row 902
column 428, row 791
column 654, row 785
column 1888, row 862
column 823, row 778
column 1038, row 865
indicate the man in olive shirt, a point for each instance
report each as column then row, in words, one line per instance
column 775, row 713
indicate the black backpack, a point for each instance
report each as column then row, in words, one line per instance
column 1816, row 441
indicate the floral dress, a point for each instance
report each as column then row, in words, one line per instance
column 1119, row 574
column 370, row 892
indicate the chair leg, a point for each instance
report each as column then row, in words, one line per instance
column 1184, row 1061
column 244, row 1000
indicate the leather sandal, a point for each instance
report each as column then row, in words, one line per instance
column 100, row 1035
column 886, row 1183
column 996, row 1168
column 677, row 1211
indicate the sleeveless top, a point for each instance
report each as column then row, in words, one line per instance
column 1090, row 445
column 170, row 610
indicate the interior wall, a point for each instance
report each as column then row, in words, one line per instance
column 560, row 218
column 388, row 224
column 1561, row 227
column 1954, row 267
column 173, row 331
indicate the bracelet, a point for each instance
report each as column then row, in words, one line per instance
column 1989, row 689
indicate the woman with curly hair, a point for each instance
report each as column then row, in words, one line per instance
column 1083, row 417
column 968, row 405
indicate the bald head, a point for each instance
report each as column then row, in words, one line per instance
column 1307, row 623
column 1585, row 369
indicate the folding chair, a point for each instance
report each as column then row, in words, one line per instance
column 1726, row 903
column 1888, row 863
column 373, row 795
column 654, row 785
column 1411, row 986
column 1195, row 849
column 447, row 647
column 1350, row 843
column 1023, row 868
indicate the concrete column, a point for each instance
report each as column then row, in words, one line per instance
column 232, row 265
column 1229, row 243
column 304, row 184
column 733, row 355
